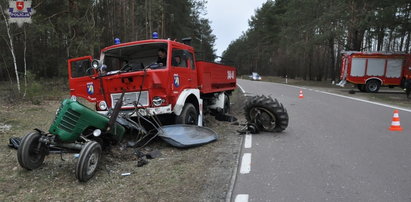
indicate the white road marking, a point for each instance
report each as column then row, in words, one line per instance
column 241, row 198
column 366, row 101
column 241, row 88
column 248, row 141
column 246, row 163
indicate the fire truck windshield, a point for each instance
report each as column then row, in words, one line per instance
column 135, row 58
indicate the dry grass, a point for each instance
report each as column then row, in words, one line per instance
column 201, row 173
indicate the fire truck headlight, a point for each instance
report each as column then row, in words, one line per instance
column 95, row 64
column 157, row 101
column 102, row 105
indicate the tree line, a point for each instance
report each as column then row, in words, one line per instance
column 65, row 29
column 305, row 38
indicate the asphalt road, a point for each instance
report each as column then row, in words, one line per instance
column 335, row 149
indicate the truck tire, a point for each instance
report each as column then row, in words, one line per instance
column 31, row 152
column 407, row 86
column 266, row 113
column 227, row 106
column 372, row 86
column 361, row 87
column 88, row 162
column 189, row 115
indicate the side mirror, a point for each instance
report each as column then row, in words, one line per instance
column 95, row 64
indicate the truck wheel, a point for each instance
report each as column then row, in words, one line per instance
column 31, row 151
column 361, row 87
column 267, row 113
column 189, row 115
column 88, row 162
column 226, row 104
column 372, row 86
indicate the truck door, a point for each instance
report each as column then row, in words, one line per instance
column 184, row 73
column 82, row 79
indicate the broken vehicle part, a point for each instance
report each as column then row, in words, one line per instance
column 153, row 154
column 249, row 128
column 14, row 142
column 184, row 136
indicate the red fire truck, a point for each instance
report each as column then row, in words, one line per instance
column 371, row 70
column 181, row 87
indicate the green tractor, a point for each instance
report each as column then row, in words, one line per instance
column 76, row 129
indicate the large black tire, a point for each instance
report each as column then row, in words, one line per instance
column 361, row 87
column 407, row 86
column 189, row 115
column 372, row 86
column 267, row 113
column 227, row 106
column 88, row 162
column 31, row 151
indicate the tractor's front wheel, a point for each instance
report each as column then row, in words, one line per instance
column 31, row 151
column 88, row 162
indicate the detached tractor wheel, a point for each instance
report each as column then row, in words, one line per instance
column 189, row 115
column 31, row 151
column 88, row 162
column 266, row 113
column 372, row 86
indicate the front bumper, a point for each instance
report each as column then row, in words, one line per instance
column 146, row 111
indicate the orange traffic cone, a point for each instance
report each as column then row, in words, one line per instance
column 395, row 124
column 301, row 94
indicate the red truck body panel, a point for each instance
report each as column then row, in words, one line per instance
column 213, row 77
column 389, row 68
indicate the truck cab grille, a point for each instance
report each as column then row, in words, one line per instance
column 130, row 98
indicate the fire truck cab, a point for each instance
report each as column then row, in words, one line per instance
column 181, row 86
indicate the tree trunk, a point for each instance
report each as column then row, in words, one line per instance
column 380, row 38
column 388, row 47
column 146, row 15
column 163, row 31
column 11, row 48
column 331, row 53
column 407, row 43
column 133, row 21
column 25, row 62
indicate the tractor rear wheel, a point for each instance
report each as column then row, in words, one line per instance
column 189, row 115
column 267, row 113
column 88, row 162
column 31, row 151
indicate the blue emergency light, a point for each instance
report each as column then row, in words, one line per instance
column 117, row 41
column 155, row 35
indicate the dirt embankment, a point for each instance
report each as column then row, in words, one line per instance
column 201, row 173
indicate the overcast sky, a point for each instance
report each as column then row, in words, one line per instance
column 229, row 19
